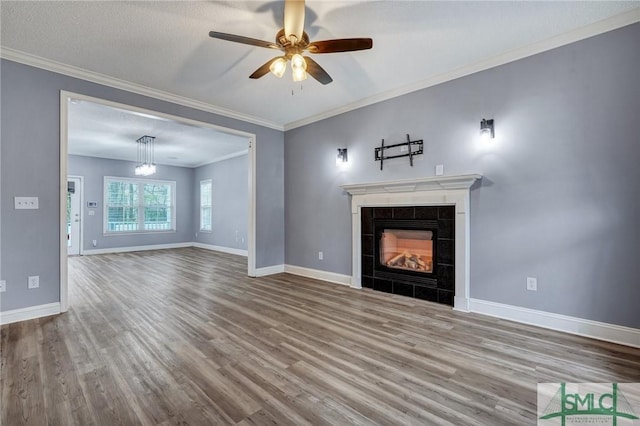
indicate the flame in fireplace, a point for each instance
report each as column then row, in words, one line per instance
column 407, row 249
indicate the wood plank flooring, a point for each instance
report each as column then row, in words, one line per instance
column 183, row 337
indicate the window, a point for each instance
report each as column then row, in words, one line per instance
column 136, row 205
column 205, row 205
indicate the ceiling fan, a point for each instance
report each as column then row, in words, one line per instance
column 293, row 41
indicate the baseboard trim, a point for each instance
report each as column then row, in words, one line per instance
column 212, row 247
column 331, row 277
column 582, row 327
column 222, row 249
column 29, row 313
column 137, row 248
column 269, row 270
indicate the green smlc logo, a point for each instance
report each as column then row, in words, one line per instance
column 564, row 405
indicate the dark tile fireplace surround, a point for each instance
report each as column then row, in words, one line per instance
column 437, row 285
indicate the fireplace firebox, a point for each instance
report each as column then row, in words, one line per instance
column 410, row 251
column 404, row 247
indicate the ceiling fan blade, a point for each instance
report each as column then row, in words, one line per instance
column 294, row 18
column 264, row 69
column 317, row 72
column 243, row 40
column 340, row 45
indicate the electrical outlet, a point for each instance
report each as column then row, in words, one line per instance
column 3, row 286
column 94, row 243
column 532, row 284
column 320, row 255
column 439, row 169
column 34, row 281
column 92, row 212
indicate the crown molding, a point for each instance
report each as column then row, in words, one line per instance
column 223, row 158
column 609, row 24
column 105, row 80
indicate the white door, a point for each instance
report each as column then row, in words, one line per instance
column 74, row 206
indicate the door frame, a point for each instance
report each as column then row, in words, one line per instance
column 81, row 228
column 65, row 98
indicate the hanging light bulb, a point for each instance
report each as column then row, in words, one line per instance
column 298, row 67
column 278, row 67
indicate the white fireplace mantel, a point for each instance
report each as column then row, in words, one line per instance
column 431, row 191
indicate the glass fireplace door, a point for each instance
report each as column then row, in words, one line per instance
column 407, row 249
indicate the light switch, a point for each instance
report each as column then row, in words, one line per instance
column 24, row 203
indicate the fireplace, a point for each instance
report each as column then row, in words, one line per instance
column 404, row 249
column 444, row 199
column 410, row 251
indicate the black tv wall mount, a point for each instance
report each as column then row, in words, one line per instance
column 404, row 149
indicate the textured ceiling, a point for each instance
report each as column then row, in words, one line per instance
column 97, row 130
column 165, row 45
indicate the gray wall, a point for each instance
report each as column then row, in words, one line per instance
column 561, row 196
column 230, row 202
column 95, row 169
column 30, row 129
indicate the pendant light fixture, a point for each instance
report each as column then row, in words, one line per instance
column 145, row 165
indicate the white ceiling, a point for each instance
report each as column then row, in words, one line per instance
column 97, row 130
column 165, row 45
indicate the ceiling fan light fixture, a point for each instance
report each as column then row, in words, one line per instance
column 278, row 67
column 298, row 62
column 298, row 67
column 299, row 74
column 292, row 40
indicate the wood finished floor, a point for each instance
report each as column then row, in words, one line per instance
column 183, row 337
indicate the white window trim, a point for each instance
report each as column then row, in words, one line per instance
column 210, row 181
column 137, row 181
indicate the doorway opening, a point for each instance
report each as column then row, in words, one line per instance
column 185, row 151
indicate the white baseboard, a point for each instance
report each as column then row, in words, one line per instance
column 331, row 277
column 32, row 312
column 137, row 248
column 582, row 327
column 229, row 250
column 269, row 270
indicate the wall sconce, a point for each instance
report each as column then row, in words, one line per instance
column 486, row 129
column 342, row 158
